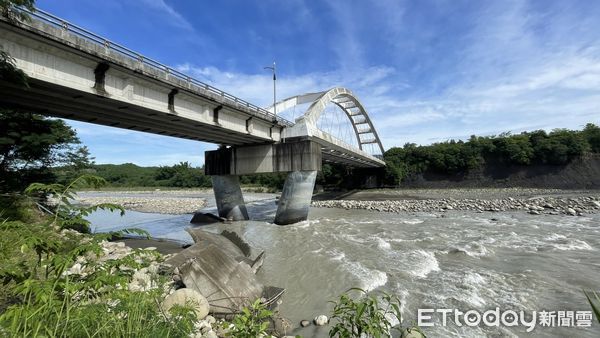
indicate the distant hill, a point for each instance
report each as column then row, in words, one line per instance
column 559, row 159
column 580, row 173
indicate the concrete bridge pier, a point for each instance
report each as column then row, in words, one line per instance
column 295, row 198
column 228, row 194
column 300, row 158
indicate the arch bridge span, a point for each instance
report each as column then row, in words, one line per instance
column 76, row 74
column 334, row 148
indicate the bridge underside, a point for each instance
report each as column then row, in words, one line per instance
column 59, row 101
column 77, row 75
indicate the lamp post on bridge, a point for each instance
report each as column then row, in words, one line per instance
column 274, row 87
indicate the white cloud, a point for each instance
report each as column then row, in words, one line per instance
column 515, row 69
column 175, row 17
column 522, row 99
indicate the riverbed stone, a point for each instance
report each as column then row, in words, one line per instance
column 187, row 297
column 304, row 323
column 210, row 334
column 210, row 319
column 321, row 320
column 281, row 325
column 411, row 333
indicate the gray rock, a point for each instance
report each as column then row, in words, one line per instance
column 411, row 333
column 321, row 320
column 571, row 212
column 187, row 297
column 210, row 334
column 305, row 323
column 210, row 319
column 281, row 325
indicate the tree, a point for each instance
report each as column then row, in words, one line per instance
column 182, row 175
column 8, row 70
column 592, row 134
column 31, row 144
column 7, row 8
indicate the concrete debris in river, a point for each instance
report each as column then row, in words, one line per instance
column 220, row 267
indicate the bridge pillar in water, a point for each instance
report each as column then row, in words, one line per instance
column 294, row 202
column 301, row 158
column 228, row 194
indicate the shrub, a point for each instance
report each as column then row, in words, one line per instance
column 365, row 316
column 66, row 214
column 251, row 323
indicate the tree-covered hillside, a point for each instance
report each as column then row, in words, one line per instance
column 452, row 157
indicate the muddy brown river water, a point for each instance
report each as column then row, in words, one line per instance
column 463, row 260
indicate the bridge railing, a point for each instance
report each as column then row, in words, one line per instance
column 90, row 36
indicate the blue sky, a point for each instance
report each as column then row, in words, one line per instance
column 426, row 71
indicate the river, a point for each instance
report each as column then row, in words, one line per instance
column 451, row 260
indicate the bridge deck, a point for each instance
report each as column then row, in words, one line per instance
column 78, row 75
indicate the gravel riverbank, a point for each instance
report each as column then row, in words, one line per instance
column 533, row 201
column 162, row 204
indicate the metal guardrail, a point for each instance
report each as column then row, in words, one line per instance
column 83, row 33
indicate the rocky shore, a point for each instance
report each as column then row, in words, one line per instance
column 163, row 204
column 572, row 206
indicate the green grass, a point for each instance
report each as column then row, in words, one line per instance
column 37, row 299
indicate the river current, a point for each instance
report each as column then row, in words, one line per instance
column 450, row 260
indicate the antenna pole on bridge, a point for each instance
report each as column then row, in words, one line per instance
column 274, row 69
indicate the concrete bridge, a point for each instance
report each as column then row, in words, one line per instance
column 76, row 74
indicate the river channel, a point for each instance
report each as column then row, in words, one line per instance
column 451, row 260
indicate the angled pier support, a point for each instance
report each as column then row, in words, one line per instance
column 300, row 158
column 296, row 196
column 228, row 194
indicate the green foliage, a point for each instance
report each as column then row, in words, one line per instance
column 46, row 300
column 7, row 9
column 16, row 207
column 594, row 300
column 42, row 296
column 591, row 133
column 182, row 175
column 274, row 181
column 366, row 316
column 67, row 214
column 30, row 145
column 9, row 71
column 126, row 175
column 558, row 147
column 251, row 323
column 79, row 162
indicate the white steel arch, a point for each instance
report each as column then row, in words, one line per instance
column 346, row 101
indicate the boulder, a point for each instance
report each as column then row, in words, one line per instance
column 187, row 297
